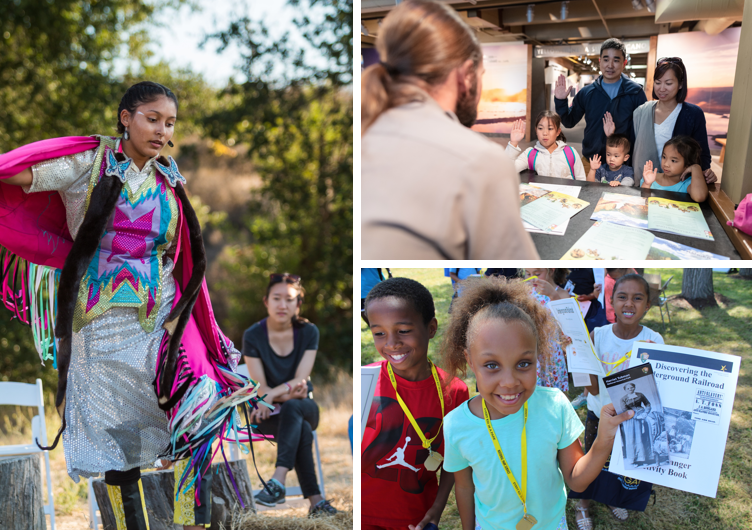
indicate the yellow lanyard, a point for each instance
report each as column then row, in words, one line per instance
column 615, row 364
column 521, row 492
column 426, row 442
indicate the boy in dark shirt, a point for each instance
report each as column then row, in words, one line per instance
column 614, row 172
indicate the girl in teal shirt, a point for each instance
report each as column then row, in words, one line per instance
column 681, row 157
column 501, row 332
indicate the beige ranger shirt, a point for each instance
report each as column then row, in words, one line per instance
column 434, row 189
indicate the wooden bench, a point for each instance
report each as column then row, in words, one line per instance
column 723, row 207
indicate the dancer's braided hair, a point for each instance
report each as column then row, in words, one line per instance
column 486, row 298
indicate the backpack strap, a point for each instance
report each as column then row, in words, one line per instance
column 531, row 156
column 569, row 153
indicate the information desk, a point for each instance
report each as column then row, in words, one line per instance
column 554, row 247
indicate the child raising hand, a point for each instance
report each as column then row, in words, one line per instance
column 551, row 156
column 513, row 447
column 681, row 171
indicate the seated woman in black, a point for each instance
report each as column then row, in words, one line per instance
column 280, row 352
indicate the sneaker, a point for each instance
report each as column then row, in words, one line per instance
column 272, row 494
column 322, row 508
column 579, row 401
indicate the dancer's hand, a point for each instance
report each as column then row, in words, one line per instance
column 560, row 89
column 609, row 127
column 518, row 132
column 163, row 464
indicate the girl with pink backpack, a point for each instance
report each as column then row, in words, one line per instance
column 551, row 156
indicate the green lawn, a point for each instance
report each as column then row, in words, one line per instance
column 726, row 328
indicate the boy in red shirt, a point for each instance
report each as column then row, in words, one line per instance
column 403, row 444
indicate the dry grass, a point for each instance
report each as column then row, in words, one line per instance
column 336, row 405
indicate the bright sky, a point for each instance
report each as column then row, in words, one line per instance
column 178, row 41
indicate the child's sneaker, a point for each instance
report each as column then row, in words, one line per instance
column 322, row 508
column 272, row 494
column 579, row 401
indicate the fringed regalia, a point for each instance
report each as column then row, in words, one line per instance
column 111, row 258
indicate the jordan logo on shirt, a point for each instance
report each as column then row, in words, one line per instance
column 398, row 458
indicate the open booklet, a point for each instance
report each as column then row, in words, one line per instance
column 547, row 208
column 644, row 440
column 581, row 357
column 662, row 215
column 608, row 241
column 697, row 390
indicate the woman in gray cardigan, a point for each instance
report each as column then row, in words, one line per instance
column 668, row 115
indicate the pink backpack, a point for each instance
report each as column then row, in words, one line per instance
column 568, row 152
column 743, row 215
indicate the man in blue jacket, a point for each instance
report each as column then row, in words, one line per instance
column 607, row 102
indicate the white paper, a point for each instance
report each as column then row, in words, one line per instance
column 600, row 278
column 560, row 230
column 697, row 391
column 581, row 357
column 369, row 375
column 580, row 379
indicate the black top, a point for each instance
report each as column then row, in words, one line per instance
column 691, row 122
column 279, row 370
column 583, row 280
column 593, row 102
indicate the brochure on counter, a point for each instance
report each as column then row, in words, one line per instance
column 608, row 241
column 697, row 390
column 581, row 356
column 662, row 215
column 529, row 193
column 550, row 210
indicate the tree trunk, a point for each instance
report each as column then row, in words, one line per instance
column 697, row 284
column 159, row 488
column 21, row 496
column 747, row 273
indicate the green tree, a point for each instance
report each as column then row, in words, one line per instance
column 298, row 124
column 56, row 64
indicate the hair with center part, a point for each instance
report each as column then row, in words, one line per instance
column 484, row 299
column 633, row 278
column 296, row 283
column 419, row 43
column 677, row 65
column 553, row 119
column 140, row 93
column 687, row 147
column 405, row 289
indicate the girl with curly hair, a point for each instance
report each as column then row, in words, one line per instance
column 500, row 331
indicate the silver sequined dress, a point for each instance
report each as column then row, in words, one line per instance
column 113, row 421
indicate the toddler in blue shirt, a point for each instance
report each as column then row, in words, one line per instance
column 614, row 172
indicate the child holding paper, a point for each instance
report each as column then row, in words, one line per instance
column 513, row 447
column 680, row 158
column 613, row 344
column 403, row 442
column 551, row 156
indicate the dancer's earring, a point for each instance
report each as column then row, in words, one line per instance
column 126, row 136
column 170, row 143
